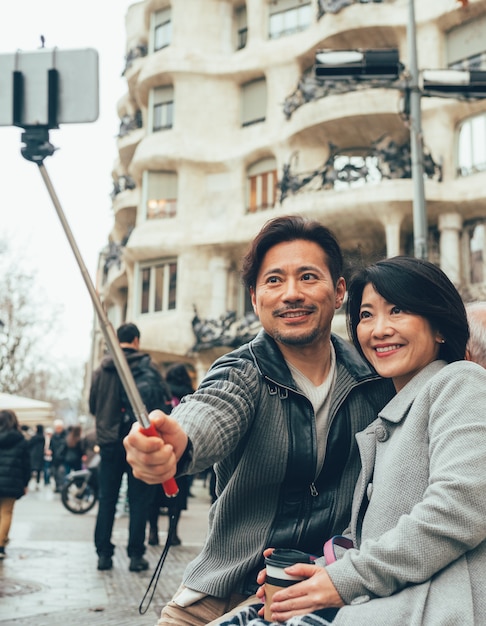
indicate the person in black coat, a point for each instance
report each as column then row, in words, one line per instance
column 109, row 403
column 180, row 383
column 37, row 444
column 57, row 447
column 14, row 471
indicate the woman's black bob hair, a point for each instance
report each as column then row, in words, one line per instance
column 415, row 286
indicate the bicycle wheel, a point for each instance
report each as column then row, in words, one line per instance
column 78, row 496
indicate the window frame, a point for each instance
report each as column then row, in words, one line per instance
column 261, row 185
column 165, row 206
column 241, row 26
column 162, row 108
column 474, row 144
column 161, row 22
column 250, row 101
column 283, row 10
column 157, row 286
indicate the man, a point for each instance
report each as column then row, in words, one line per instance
column 278, row 417
column 476, row 347
column 58, row 446
column 109, row 404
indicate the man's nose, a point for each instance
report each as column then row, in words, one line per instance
column 292, row 290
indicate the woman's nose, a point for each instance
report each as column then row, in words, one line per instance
column 381, row 326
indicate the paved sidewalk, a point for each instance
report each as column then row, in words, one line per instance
column 49, row 577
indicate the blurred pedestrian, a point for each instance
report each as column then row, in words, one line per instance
column 74, row 449
column 26, row 431
column 58, row 450
column 180, row 384
column 14, row 471
column 37, row 444
column 476, row 347
column 109, row 404
column 91, row 447
column 48, row 455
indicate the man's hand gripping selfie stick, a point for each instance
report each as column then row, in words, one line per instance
column 37, row 147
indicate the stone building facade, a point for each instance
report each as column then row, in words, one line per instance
column 224, row 126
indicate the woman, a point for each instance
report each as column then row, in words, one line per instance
column 37, row 444
column 419, row 510
column 14, row 471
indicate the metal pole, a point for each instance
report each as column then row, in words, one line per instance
column 416, row 143
column 106, row 327
column 122, row 367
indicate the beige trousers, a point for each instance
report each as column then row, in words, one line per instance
column 6, row 513
column 208, row 610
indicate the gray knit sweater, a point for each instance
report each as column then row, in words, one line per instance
column 249, row 418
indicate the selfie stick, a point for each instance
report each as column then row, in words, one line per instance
column 37, row 148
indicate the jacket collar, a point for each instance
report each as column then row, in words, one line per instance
column 271, row 364
column 400, row 404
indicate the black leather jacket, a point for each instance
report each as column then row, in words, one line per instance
column 250, row 419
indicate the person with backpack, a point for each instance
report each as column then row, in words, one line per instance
column 109, row 404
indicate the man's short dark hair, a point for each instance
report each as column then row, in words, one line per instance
column 126, row 333
column 291, row 228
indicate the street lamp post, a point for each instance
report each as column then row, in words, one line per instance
column 362, row 65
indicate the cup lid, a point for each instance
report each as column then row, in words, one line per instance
column 284, row 557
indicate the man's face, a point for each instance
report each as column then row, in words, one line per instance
column 294, row 296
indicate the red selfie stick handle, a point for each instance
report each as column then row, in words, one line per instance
column 169, row 486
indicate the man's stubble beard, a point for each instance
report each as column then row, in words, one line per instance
column 300, row 340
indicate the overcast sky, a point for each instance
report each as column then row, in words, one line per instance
column 80, row 169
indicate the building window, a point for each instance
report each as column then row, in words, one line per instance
column 158, row 282
column 163, row 108
column 261, row 185
column 162, row 29
column 465, row 46
column 161, row 194
column 241, row 27
column 471, row 149
column 253, row 102
column 288, row 16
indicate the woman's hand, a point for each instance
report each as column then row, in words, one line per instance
column 314, row 593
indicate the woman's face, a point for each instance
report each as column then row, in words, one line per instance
column 396, row 343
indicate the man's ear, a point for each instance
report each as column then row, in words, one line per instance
column 467, row 356
column 253, row 300
column 340, row 292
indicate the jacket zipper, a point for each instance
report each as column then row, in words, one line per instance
column 312, row 487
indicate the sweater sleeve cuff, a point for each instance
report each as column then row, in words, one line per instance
column 186, row 460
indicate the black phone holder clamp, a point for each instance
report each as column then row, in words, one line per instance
column 36, row 144
column 36, row 138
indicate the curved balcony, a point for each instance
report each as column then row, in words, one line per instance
column 369, row 114
column 381, row 25
column 125, row 206
column 128, row 144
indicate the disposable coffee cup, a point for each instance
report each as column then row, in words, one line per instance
column 277, row 578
